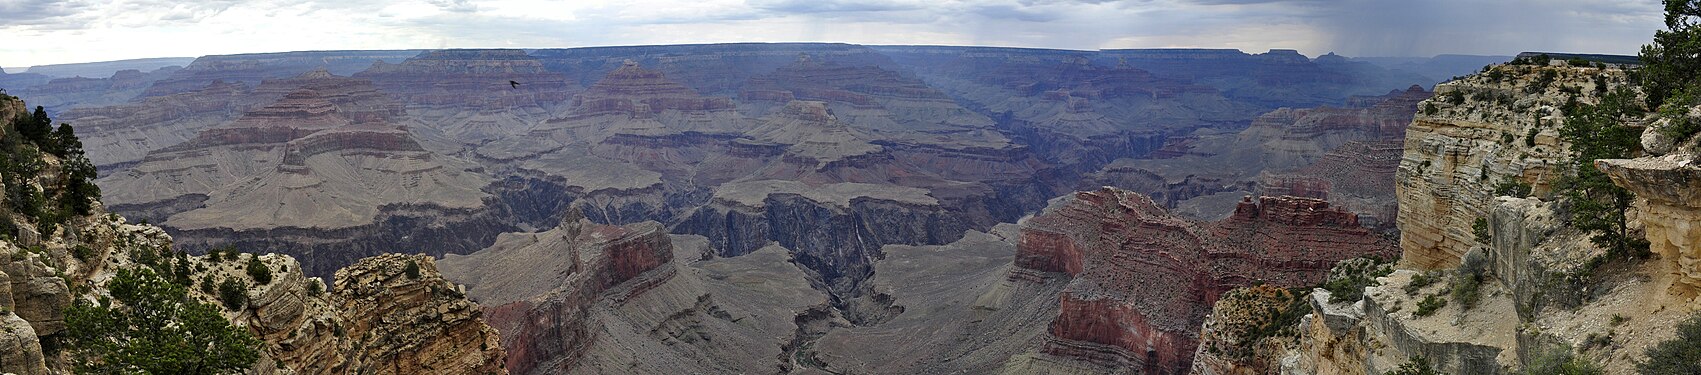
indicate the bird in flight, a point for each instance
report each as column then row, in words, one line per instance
column 514, row 84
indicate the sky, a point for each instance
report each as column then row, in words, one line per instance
column 38, row 32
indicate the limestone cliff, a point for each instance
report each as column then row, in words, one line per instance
column 1545, row 290
column 1479, row 132
column 1670, row 212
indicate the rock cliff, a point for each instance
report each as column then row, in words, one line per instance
column 473, row 94
column 1527, row 287
column 1128, row 259
column 327, row 156
column 389, row 314
column 1479, row 132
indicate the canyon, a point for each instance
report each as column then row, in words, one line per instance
column 757, row 207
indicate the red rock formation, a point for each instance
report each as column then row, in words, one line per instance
column 1144, row 280
column 1358, row 176
column 544, row 311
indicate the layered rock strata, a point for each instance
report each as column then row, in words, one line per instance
column 1479, row 132
column 549, row 308
column 1110, row 242
column 473, row 95
column 326, row 157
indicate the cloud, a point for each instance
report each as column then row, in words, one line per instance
column 828, row 6
column 35, row 12
column 57, row 31
column 1010, row 12
column 456, row 6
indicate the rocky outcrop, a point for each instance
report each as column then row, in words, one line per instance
column 542, row 286
column 1479, row 132
column 1239, row 335
column 1545, row 288
column 1123, row 252
column 411, row 324
column 20, row 348
column 37, row 294
column 834, row 231
column 1670, row 211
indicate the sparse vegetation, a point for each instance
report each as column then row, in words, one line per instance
column 233, row 294
column 1419, row 281
column 258, row 271
column 207, row 284
column 154, row 328
column 1348, row 279
column 1416, row 366
column 1429, row 305
column 1560, row 361
column 1596, row 204
column 1479, row 230
column 1512, row 187
column 82, row 252
column 412, row 269
column 1678, row 355
column 1466, row 284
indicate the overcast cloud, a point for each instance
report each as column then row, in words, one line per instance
column 61, row 31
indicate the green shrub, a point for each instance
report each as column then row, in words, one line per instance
column 1680, row 355
column 1560, row 361
column 1429, row 305
column 1467, row 281
column 233, row 294
column 1595, row 203
column 313, row 288
column 1348, row 278
column 412, row 269
column 1416, row 366
column 155, row 328
column 1479, row 230
column 1419, row 281
column 82, row 252
column 259, row 271
column 1512, row 187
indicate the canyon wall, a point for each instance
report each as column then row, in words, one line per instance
column 1123, row 252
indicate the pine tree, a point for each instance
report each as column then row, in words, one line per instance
column 1596, row 204
column 154, row 328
